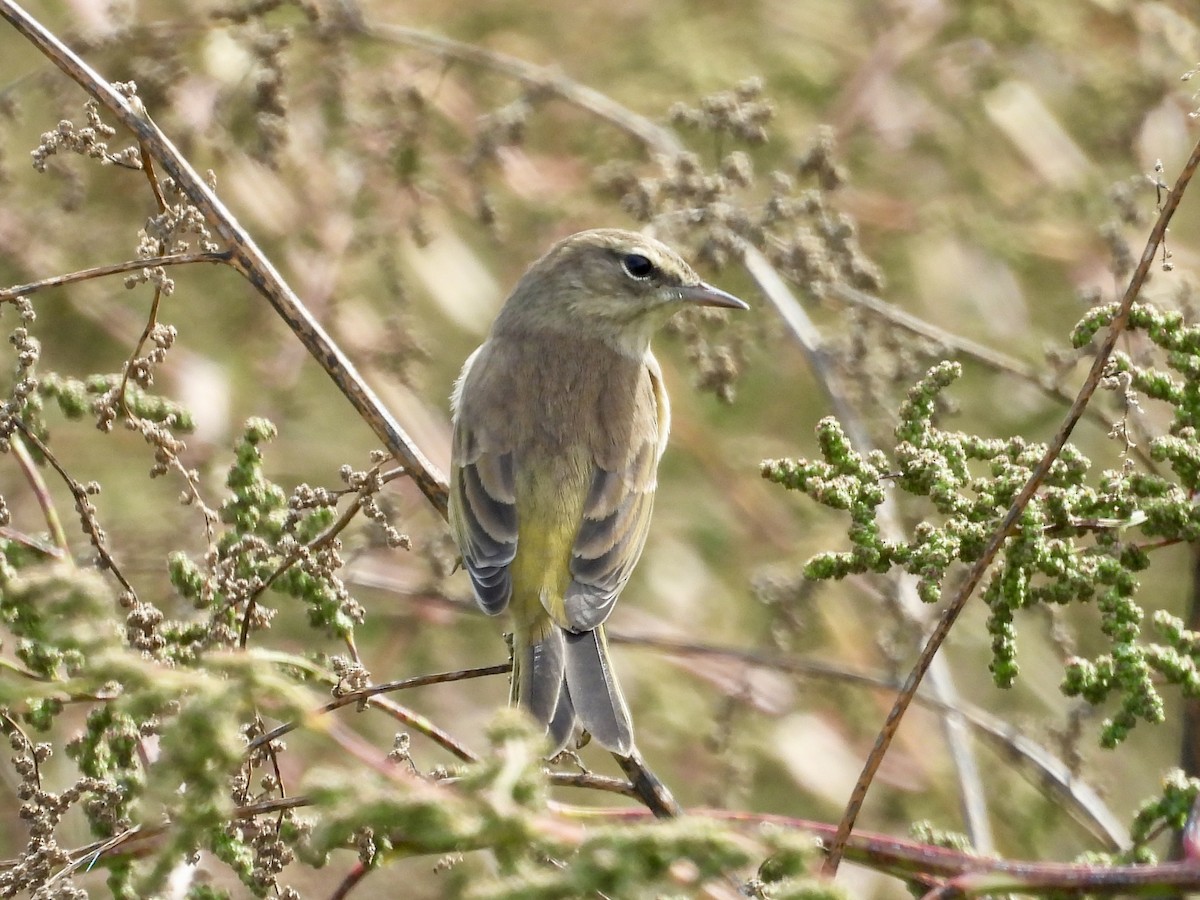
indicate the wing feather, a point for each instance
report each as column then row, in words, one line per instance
column 616, row 514
column 483, row 511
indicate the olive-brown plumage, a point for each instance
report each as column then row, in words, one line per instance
column 560, row 419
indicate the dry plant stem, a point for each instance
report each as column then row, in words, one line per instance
column 975, row 576
column 152, row 319
column 148, row 169
column 973, row 797
column 352, row 648
column 971, row 874
column 1041, row 767
column 1048, row 879
column 273, row 756
column 353, row 878
column 592, row 782
column 421, row 724
column 244, row 254
column 809, row 339
column 42, row 492
column 106, row 560
column 7, row 295
column 539, row 78
column 364, row 695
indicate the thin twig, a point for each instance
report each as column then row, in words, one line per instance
column 82, row 504
column 593, row 782
column 973, row 797
column 322, row 539
column 1043, row 769
column 41, row 492
column 156, row 301
column 648, row 786
column 423, row 725
column 542, row 79
column 11, row 294
column 365, row 694
column 353, row 878
column 979, row 569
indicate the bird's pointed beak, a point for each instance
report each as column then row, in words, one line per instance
column 704, row 294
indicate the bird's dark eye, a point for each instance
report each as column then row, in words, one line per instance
column 637, row 266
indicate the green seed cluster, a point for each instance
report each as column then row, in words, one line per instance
column 1082, row 538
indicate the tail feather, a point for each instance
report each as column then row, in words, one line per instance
column 565, row 678
column 562, row 726
column 594, row 692
column 538, row 679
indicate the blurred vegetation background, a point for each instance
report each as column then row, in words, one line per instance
column 997, row 157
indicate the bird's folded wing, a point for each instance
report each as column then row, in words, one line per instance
column 483, row 516
column 616, row 518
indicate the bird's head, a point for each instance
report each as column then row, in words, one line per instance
column 617, row 286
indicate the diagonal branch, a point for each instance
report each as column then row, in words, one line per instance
column 966, row 766
column 245, row 256
column 977, row 572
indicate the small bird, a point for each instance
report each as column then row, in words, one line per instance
column 560, row 419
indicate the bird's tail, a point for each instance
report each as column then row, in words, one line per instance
column 591, row 686
column 539, row 684
column 564, row 677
